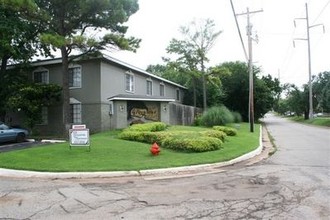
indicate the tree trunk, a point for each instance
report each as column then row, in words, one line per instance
column 3, row 68
column 204, row 85
column 66, row 91
column 195, row 92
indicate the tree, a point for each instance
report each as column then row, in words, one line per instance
column 72, row 25
column 275, row 88
column 321, row 91
column 31, row 98
column 20, row 25
column 235, row 85
column 198, row 39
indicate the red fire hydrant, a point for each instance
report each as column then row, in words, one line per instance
column 155, row 149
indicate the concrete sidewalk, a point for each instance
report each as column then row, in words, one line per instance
column 262, row 152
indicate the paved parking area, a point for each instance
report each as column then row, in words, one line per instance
column 10, row 146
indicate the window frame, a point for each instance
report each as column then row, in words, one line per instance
column 178, row 95
column 73, row 115
column 161, row 89
column 149, row 87
column 73, row 82
column 129, row 82
column 41, row 70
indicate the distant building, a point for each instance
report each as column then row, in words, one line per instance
column 106, row 93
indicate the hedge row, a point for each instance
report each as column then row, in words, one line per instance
column 144, row 136
column 154, row 126
column 200, row 144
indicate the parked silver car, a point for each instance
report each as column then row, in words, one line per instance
column 8, row 134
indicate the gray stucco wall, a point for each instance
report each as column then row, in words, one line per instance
column 113, row 83
column 102, row 79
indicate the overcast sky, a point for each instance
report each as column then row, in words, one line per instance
column 158, row 21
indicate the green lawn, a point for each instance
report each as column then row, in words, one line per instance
column 320, row 121
column 109, row 153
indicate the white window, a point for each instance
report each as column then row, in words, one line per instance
column 129, row 82
column 149, row 87
column 75, row 77
column 44, row 116
column 161, row 89
column 75, row 111
column 41, row 75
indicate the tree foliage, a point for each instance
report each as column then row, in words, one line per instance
column 197, row 39
column 296, row 100
column 321, row 91
column 78, row 25
column 235, row 86
column 20, row 25
column 31, row 98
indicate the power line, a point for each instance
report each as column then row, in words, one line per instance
column 239, row 30
column 323, row 9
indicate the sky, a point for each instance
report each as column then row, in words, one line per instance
column 158, row 21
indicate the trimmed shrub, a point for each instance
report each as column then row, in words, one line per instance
column 217, row 116
column 152, row 126
column 131, row 135
column 200, row 144
column 214, row 133
column 229, row 131
column 145, row 137
column 152, row 137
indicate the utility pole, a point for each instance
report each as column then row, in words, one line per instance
column 310, row 113
column 250, row 65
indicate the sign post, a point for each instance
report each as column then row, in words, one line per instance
column 79, row 136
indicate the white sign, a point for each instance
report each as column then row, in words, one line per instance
column 79, row 137
column 78, row 126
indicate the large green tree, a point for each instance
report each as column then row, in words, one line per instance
column 197, row 39
column 73, row 25
column 235, row 85
column 321, row 91
column 21, row 22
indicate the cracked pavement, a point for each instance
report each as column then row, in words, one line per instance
column 292, row 184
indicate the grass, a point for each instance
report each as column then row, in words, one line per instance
column 109, row 153
column 320, row 121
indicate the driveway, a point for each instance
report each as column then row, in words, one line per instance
column 292, row 184
column 10, row 146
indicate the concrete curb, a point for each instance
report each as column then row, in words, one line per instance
column 165, row 171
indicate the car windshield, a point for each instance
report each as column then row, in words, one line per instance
column 3, row 126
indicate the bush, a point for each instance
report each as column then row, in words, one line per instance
column 152, row 137
column 200, row 144
column 237, row 117
column 214, row 133
column 187, row 141
column 153, row 126
column 227, row 130
column 145, row 137
column 217, row 116
column 131, row 135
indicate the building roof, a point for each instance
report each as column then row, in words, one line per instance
column 110, row 59
column 140, row 98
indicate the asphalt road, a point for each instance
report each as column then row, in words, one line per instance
column 292, row 184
